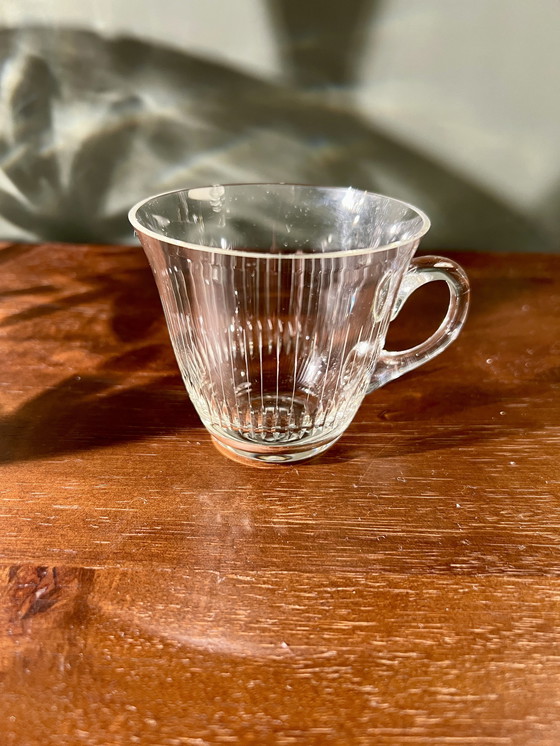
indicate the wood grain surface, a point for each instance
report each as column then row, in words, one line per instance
column 403, row 588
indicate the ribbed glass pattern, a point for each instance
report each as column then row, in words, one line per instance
column 277, row 299
column 276, row 350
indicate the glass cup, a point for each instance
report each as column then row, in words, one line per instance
column 278, row 298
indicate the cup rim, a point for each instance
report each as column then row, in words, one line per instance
column 138, row 228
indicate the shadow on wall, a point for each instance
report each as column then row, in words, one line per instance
column 91, row 125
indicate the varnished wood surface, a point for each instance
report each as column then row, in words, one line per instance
column 404, row 588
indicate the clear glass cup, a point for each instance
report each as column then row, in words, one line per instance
column 278, row 298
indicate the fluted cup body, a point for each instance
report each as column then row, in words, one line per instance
column 277, row 299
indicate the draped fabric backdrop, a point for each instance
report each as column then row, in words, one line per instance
column 453, row 106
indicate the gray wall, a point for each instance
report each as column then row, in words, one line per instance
column 451, row 105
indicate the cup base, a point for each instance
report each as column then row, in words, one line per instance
column 280, row 458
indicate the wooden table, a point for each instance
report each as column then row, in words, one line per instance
column 402, row 589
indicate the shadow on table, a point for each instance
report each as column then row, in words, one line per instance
column 85, row 412
column 131, row 294
column 116, row 312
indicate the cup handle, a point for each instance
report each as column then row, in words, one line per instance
column 422, row 270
